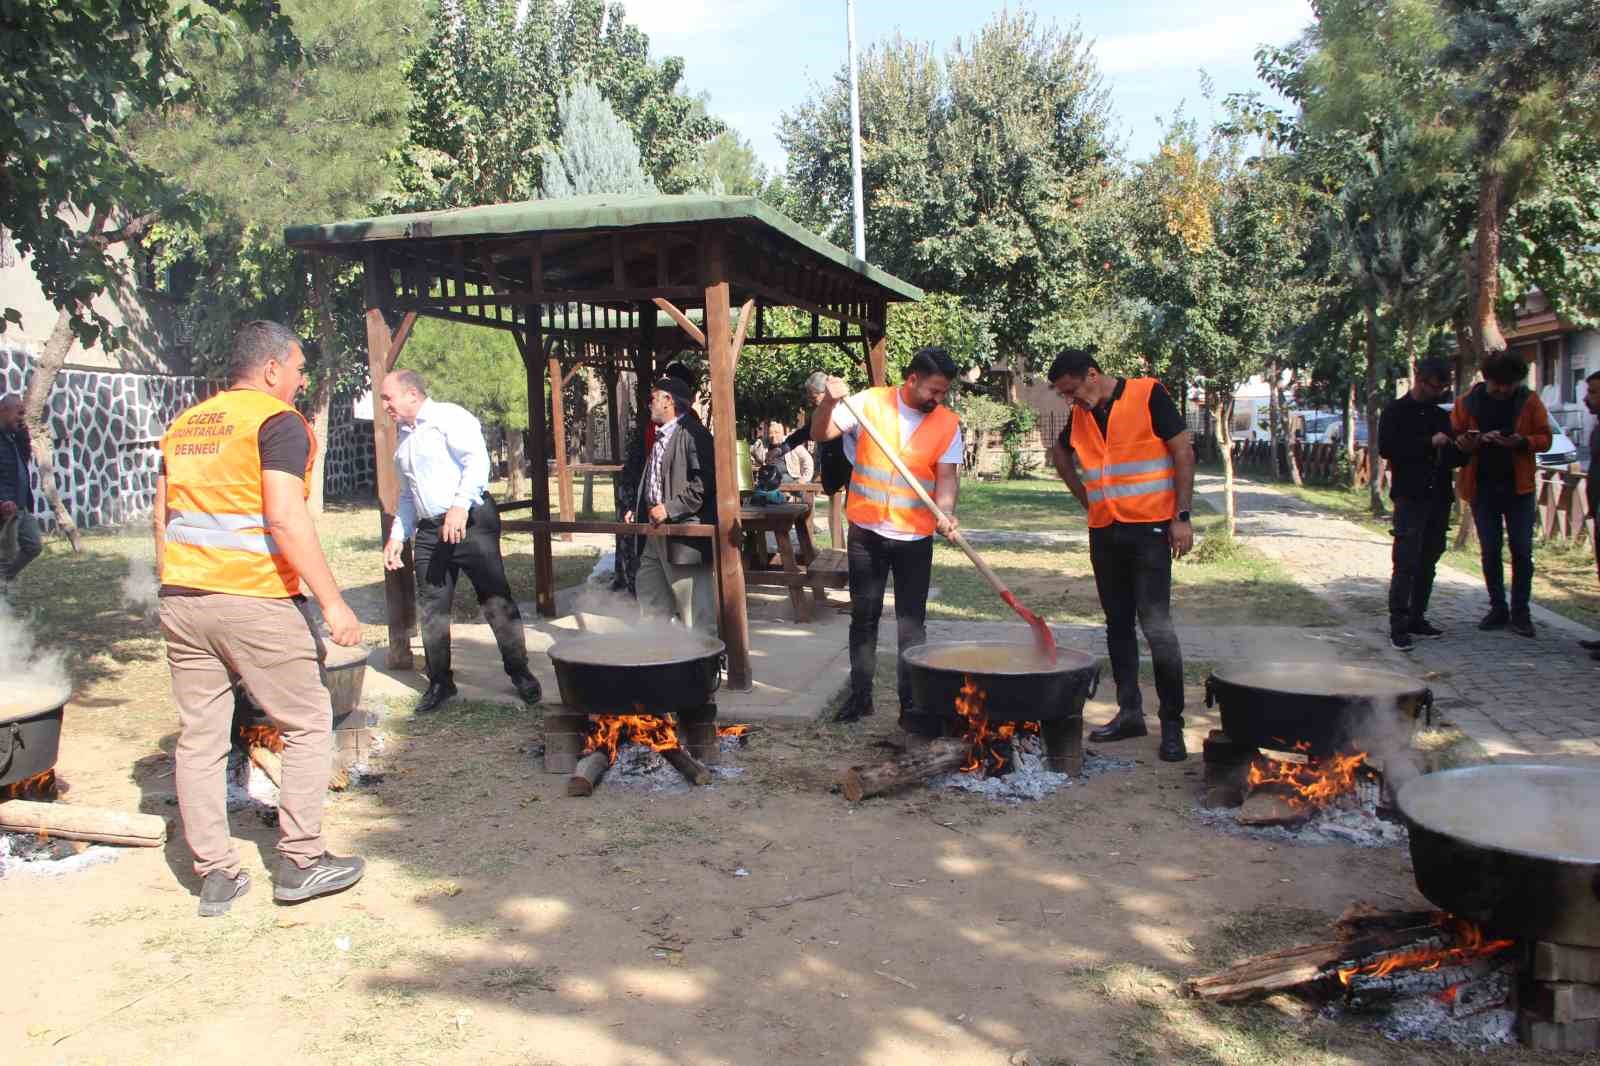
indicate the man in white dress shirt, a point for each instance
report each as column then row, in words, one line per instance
column 444, row 471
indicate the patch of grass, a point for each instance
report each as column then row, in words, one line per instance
column 1445, row 748
column 515, row 979
column 1257, row 932
column 1029, row 504
column 473, row 716
column 642, row 832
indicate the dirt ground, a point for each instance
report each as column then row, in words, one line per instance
column 502, row 922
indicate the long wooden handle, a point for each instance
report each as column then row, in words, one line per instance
column 954, row 536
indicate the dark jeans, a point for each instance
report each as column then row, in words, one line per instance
column 1420, row 528
column 30, row 542
column 478, row 556
column 872, row 559
column 1133, row 573
column 1500, row 507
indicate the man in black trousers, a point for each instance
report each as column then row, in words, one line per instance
column 1414, row 437
column 444, row 474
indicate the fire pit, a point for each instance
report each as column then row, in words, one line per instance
column 985, row 690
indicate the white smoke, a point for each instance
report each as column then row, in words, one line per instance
column 140, row 586
column 32, row 676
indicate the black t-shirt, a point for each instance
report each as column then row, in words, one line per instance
column 1165, row 418
column 1495, row 463
column 285, row 446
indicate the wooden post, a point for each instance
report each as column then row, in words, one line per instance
column 735, row 622
column 544, row 573
column 558, row 433
column 877, row 344
column 614, row 398
column 399, row 586
column 644, row 364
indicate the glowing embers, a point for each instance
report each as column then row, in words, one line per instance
column 41, row 786
column 1306, row 785
column 991, row 742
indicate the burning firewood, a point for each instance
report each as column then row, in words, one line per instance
column 98, row 824
column 270, row 763
column 940, row 756
column 693, row 770
column 591, row 768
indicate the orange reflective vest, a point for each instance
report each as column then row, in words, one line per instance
column 1129, row 477
column 878, row 494
column 216, row 533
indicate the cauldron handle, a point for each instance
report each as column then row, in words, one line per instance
column 1094, row 681
column 1211, row 696
column 1427, row 707
column 13, row 742
column 722, row 664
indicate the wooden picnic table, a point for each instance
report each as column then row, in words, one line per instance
column 778, row 519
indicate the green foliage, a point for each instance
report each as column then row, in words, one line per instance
column 595, row 153
column 728, row 166
column 1552, row 237
column 486, row 90
column 478, row 368
column 72, row 74
column 982, row 172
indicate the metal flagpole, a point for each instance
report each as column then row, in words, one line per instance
column 858, row 220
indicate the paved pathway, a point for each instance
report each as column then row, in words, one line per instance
column 1519, row 698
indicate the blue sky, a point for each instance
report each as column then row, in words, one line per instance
column 758, row 58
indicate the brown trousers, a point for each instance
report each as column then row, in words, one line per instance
column 269, row 646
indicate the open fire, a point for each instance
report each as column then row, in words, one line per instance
column 1310, row 785
column 1462, row 941
column 991, row 742
column 43, row 786
column 607, row 733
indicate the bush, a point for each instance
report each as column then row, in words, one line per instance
column 1216, row 547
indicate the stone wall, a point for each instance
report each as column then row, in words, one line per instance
column 107, row 428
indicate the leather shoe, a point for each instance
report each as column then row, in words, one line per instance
column 1125, row 726
column 527, row 687
column 1522, row 626
column 854, row 710
column 1172, row 747
column 438, row 692
column 1495, row 619
column 1589, row 645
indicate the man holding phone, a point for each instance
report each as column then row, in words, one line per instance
column 1502, row 427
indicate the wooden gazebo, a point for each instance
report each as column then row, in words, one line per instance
column 584, row 281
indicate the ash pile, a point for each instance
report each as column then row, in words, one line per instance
column 255, row 763
column 25, row 854
column 1026, row 775
column 640, row 768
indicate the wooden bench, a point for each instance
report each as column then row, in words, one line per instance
column 829, row 570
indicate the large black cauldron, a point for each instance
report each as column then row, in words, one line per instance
column 30, row 731
column 637, row 673
column 1319, row 708
column 1516, row 848
column 1018, row 686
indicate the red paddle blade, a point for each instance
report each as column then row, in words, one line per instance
column 1044, row 641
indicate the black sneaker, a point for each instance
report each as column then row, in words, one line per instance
column 1495, row 619
column 218, row 891
column 1522, row 626
column 1401, row 641
column 854, row 710
column 1424, row 628
column 327, row 875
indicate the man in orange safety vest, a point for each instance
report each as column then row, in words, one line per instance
column 1126, row 455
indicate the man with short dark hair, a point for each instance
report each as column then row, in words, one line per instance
column 447, row 512
column 234, row 542
column 891, row 529
column 1502, row 427
column 1126, row 455
column 1591, row 400
column 1414, row 437
column 19, row 529
column 679, row 485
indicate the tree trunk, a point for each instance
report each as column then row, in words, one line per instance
column 1374, row 462
column 1274, row 418
column 36, row 416
column 1486, row 248
column 1225, row 447
column 1466, row 532
column 321, row 426
column 1349, row 430
column 514, row 460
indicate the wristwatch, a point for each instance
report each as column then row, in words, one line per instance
column 1183, row 516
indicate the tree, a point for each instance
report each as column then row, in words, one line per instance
column 486, row 91
column 728, row 166
column 982, row 170
column 595, row 153
column 71, row 77
column 266, row 143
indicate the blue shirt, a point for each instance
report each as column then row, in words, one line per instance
column 443, row 462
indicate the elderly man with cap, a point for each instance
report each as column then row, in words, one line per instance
column 679, row 485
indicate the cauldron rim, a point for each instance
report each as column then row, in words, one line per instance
column 62, row 695
column 1245, row 676
column 1406, row 798
column 917, row 656
column 562, row 650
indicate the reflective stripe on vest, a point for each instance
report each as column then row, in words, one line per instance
column 216, row 530
column 879, row 496
column 1129, row 477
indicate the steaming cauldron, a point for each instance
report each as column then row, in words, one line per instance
column 1516, row 848
column 30, row 730
column 1018, row 685
column 1325, row 708
column 615, row 673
